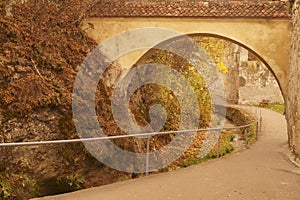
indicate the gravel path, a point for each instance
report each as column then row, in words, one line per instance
column 261, row 172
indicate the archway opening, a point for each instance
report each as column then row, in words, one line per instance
column 248, row 78
column 254, row 77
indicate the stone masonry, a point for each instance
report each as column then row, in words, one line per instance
column 293, row 100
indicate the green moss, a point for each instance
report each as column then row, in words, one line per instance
column 194, row 162
column 276, row 107
column 225, row 147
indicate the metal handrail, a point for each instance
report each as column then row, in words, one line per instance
column 14, row 144
column 147, row 136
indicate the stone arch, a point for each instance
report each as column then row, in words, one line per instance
column 268, row 39
column 259, row 57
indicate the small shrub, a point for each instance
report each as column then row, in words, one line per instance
column 17, row 186
column 225, row 146
column 231, row 137
column 251, row 136
column 71, row 182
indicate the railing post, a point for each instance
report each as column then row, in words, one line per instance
column 245, row 132
column 260, row 120
column 147, row 155
column 219, row 143
column 256, row 131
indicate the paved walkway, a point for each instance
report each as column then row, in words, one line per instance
column 261, row 172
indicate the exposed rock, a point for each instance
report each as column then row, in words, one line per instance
column 38, row 160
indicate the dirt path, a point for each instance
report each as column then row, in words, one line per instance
column 261, row 172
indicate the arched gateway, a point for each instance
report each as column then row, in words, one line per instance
column 263, row 27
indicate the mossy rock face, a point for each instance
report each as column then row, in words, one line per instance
column 39, row 126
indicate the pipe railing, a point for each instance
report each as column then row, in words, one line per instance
column 257, row 124
column 146, row 135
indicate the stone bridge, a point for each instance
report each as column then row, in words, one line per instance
column 262, row 27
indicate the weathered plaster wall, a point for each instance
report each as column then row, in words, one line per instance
column 293, row 100
column 267, row 37
column 257, row 83
column 248, row 82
